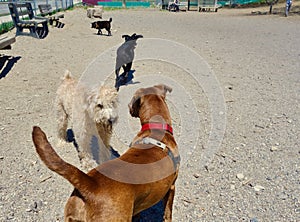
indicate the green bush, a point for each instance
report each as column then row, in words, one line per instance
column 6, row 26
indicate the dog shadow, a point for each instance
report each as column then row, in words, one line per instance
column 56, row 23
column 71, row 139
column 102, row 34
column 125, row 80
column 152, row 214
column 94, row 146
column 6, row 64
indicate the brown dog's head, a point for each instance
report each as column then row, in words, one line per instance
column 137, row 99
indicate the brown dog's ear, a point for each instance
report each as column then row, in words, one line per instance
column 134, row 106
column 164, row 88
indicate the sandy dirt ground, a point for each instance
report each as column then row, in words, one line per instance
column 235, row 109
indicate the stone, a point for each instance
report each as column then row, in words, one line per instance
column 196, row 175
column 240, row 176
column 258, row 188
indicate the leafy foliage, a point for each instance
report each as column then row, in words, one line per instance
column 6, row 26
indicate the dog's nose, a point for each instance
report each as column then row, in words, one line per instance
column 112, row 120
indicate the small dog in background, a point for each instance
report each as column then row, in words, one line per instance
column 93, row 113
column 102, row 25
column 125, row 56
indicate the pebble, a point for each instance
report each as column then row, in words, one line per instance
column 35, row 206
column 185, row 204
column 283, row 196
column 240, row 176
column 196, row 175
column 33, row 163
column 258, row 188
column 254, row 220
column 273, row 148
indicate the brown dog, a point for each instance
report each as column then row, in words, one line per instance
column 121, row 188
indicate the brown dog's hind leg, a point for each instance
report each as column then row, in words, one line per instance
column 168, row 203
column 75, row 208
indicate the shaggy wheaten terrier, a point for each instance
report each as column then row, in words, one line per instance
column 92, row 114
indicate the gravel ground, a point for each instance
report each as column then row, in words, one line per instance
column 235, row 109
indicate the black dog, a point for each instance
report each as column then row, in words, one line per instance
column 102, row 25
column 125, row 55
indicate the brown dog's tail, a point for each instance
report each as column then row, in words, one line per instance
column 76, row 177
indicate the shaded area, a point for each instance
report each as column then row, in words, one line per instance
column 71, row 138
column 6, row 64
column 153, row 214
column 125, row 79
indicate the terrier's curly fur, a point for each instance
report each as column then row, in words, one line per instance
column 92, row 112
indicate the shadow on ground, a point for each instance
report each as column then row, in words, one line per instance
column 6, row 64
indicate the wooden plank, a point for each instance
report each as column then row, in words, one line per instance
column 6, row 41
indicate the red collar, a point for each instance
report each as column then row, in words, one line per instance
column 162, row 126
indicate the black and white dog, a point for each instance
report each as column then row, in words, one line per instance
column 125, row 56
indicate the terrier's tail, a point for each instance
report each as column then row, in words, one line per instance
column 68, row 75
column 76, row 177
column 110, row 20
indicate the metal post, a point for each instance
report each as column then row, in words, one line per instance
column 34, row 6
column 56, row 6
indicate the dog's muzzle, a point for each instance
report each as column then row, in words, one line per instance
column 112, row 120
